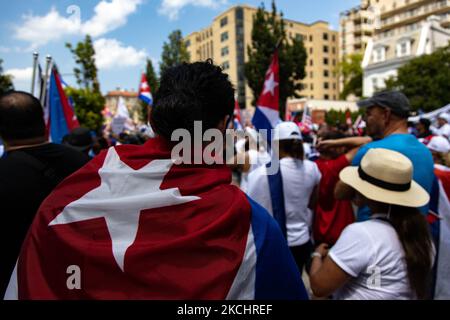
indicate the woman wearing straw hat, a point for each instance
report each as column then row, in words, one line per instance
column 389, row 256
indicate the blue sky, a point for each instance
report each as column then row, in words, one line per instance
column 125, row 32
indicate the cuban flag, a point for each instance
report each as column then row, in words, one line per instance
column 267, row 109
column 61, row 116
column 439, row 219
column 237, row 121
column 144, row 91
column 131, row 224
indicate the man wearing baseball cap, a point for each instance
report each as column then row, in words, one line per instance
column 386, row 115
column 443, row 125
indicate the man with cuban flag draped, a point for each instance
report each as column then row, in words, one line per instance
column 132, row 224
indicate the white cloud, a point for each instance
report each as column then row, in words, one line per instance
column 172, row 8
column 21, row 78
column 20, row 74
column 108, row 16
column 110, row 53
column 39, row 30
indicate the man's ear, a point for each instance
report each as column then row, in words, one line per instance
column 222, row 126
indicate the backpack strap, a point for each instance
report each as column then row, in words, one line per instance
column 44, row 168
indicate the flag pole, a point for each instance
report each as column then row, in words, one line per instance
column 33, row 75
column 48, row 61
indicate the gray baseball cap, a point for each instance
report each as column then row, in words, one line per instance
column 394, row 100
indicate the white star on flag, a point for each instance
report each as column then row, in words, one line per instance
column 144, row 86
column 119, row 199
column 270, row 84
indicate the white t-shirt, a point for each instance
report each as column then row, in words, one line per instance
column 371, row 253
column 442, row 131
column 299, row 179
column 256, row 159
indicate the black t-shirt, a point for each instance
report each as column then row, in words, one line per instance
column 24, row 183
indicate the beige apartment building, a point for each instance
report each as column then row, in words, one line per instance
column 386, row 18
column 356, row 27
column 227, row 38
column 407, row 29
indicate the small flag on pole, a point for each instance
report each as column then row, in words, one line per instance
column 144, row 91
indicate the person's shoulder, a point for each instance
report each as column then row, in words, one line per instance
column 359, row 230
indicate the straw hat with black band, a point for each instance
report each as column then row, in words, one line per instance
column 386, row 176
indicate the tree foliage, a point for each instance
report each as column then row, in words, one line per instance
column 174, row 52
column 88, row 100
column 335, row 117
column 6, row 83
column 352, row 74
column 268, row 31
column 425, row 80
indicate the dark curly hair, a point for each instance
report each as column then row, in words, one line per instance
column 21, row 116
column 191, row 92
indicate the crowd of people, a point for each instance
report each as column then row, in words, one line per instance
column 353, row 214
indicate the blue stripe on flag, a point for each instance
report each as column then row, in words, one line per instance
column 260, row 121
column 277, row 275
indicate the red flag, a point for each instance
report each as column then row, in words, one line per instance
column 237, row 112
column 134, row 227
column 348, row 118
column 270, row 94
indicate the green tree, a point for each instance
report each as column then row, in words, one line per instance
column 88, row 100
column 268, row 32
column 174, row 52
column 86, row 73
column 153, row 82
column 352, row 74
column 425, row 80
column 5, row 80
column 334, row 117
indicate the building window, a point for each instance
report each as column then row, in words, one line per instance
column 310, row 62
column 311, row 75
column 326, row 73
column 298, row 36
column 326, row 85
column 312, row 86
column 325, row 61
column 404, row 48
column 325, row 36
column 224, row 36
column 334, row 62
column 226, row 65
column 333, row 50
column 333, row 38
column 224, row 51
column 188, row 43
column 374, row 84
column 379, row 54
column 334, row 97
column 223, row 22
column 325, row 49
column 334, row 87
column 310, row 38
column 310, row 50
column 326, row 97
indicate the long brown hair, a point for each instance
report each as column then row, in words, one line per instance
column 414, row 234
column 292, row 148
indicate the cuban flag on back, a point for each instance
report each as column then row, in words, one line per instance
column 144, row 91
column 267, row 109
column 439, row 219
column 61, row 117
column 132, row 225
